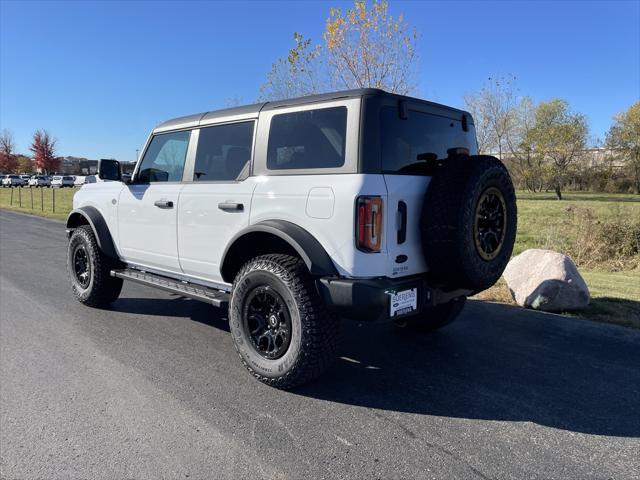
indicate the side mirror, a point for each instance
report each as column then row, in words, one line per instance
column 109, row 170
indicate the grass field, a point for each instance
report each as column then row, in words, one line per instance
column 541, row 217
column 542, row 221
column 20, row 200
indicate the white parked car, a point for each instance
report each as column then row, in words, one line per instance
column 82, row 180
column 359, row 204
column 13, row 181
column 39, row 181
column 59, row 181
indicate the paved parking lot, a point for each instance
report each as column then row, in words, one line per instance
column 153, row 389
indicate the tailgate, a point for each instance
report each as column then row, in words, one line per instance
column 405, row 195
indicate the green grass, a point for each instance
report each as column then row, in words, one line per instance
column 542, row 218
column 19, row 200
column 615, row 297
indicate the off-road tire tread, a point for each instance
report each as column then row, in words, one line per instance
column 447, row 214
column 320, row 327
column 104, row 289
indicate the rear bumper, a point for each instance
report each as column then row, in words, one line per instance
column 369, row 300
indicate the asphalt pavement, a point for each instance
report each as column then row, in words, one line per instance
column 152, row 388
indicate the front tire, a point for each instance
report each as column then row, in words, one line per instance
column 280, row 327
column 434, row 318
column 89, row 270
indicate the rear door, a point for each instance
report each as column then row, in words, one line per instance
column 215, row 201
column 147, row 208
column 407, row 145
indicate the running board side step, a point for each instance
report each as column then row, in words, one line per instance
column 217, row 298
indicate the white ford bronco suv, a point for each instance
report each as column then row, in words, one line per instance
column 291, row 214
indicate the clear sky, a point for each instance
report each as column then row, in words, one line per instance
column 100, row 75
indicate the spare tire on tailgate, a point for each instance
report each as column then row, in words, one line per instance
column 468, row 222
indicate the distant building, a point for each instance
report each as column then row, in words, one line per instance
column 83, row 166
column 77, row 166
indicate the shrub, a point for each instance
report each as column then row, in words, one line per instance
column 613, row 243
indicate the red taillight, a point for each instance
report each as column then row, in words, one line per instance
column 369, row 223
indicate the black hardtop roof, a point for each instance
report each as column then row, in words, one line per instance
column 256, row 108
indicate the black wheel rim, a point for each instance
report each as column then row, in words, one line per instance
column 81, row 266
column 267, row 322
column 490, row 223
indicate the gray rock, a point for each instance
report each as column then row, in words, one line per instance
column 546, row 280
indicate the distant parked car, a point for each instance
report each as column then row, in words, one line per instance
column 12, row 181
column 59, row 181
column 39, row 181
column 26, row 178
column 82, row 179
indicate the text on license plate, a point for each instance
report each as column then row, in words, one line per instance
column 404, row 302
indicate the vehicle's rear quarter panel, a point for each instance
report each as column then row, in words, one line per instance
column 306, row 201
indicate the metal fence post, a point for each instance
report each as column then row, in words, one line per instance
column 54, row 200
column 42, row 199
column 20, row 196
column 31, row 192
column 11, row 190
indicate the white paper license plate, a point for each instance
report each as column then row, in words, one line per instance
column 404, row 302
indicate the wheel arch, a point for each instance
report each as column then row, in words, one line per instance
column 275, row 236
column 91, row 216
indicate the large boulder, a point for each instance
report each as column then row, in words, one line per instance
column 546, row 280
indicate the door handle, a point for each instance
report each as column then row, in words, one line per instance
column 231, row 206
column 163, row 203
column 402, row 231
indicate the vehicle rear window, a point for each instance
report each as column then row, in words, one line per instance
column 423, row 135
column 223, row 152
column 308, row 139
column 68, row 178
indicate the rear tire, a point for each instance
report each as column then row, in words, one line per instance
column 435, row 318
column 280, row 326
column 89, row 270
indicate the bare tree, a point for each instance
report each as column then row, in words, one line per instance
column 528, row 164
column 492, row 108
column 484, row 129
column 8, row 160
column 296, row 75
column 364, row 47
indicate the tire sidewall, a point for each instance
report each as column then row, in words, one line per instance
column 79, row 238
column 243, row 287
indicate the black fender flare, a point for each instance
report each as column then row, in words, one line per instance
column 311, row 252
column 94, row 218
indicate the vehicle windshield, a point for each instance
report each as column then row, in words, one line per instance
column 408, row 144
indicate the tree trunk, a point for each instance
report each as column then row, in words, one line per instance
column 558, row 192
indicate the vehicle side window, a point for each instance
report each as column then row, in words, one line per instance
column 165, row 157
column 308, row 139
column 224, row 152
